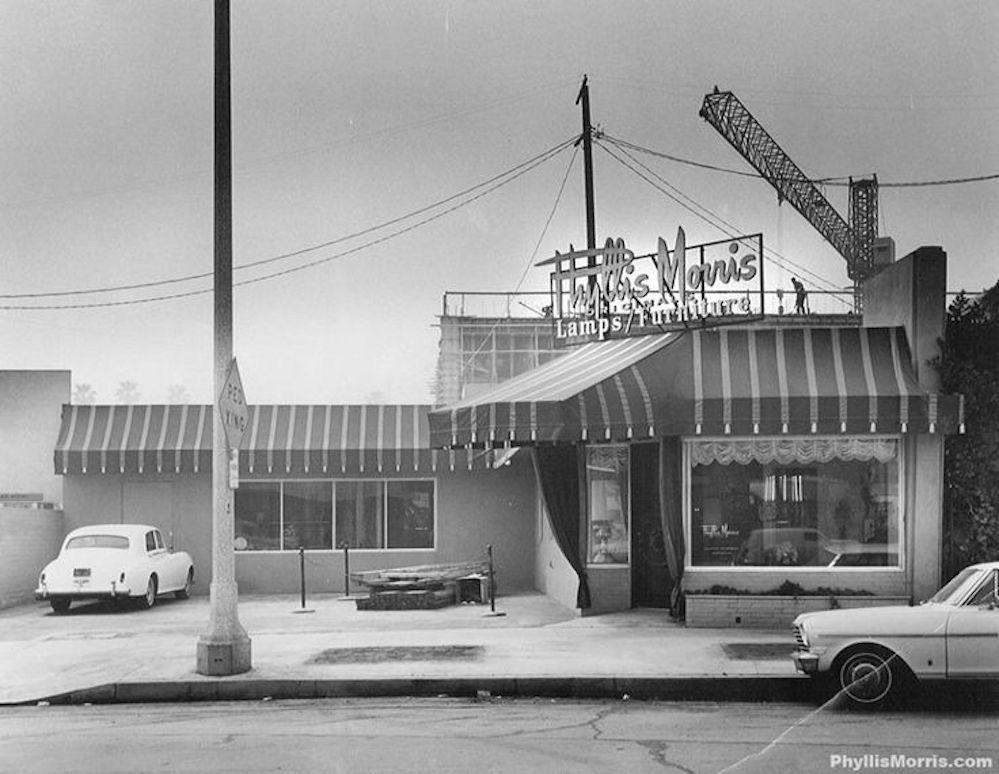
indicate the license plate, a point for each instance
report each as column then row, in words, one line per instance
column 81, row 572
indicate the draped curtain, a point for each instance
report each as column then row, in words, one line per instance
column 788, row 451
column 671, row 507
column 557, row 470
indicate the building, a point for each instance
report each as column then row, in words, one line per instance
column 628, row 471
column 804, row 453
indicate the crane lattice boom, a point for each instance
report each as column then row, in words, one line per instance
column 854, row 241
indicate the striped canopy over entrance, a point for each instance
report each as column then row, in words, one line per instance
column 721, row 381
column 279, row 440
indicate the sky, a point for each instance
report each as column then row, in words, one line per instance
column 348, row 115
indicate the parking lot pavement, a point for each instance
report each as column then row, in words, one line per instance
column 44, row 655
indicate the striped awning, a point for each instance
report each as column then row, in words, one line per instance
column 721, row 381
column 279, row 440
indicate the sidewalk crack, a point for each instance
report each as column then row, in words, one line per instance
column 657, row 749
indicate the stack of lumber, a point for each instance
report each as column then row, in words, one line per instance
column 424, row 587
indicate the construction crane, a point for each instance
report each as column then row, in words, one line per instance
column 855, row 240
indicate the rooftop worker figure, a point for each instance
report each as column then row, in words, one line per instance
column 800, row 296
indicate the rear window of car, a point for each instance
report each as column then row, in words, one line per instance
column 98, row 541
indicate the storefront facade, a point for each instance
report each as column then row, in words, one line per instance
column 702, row 463
column 738, row 459
column 311, row 477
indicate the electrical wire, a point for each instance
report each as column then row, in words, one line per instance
column 530, row 261
column 249, row 167
column 544, row 155
column 777, row 257
column 729, row 229
column 726, row 228
column 538, row 160
column 839, row 181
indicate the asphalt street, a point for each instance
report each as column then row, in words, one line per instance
column 490, row 734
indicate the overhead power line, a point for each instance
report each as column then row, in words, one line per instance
column 823, row 180
column 511, row 173
column 498, row 182
column 712, row 219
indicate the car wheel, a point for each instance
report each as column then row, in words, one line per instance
column 148, row 599
column 868, row 675
column 59, row 605
column 185, row 592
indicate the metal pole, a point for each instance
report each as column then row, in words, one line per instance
column 346, row 569
column 225, row 648
column 301, row 572
column 492, row 592
column 492, row 589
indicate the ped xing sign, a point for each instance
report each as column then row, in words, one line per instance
column 235, row 416
column 609, row 292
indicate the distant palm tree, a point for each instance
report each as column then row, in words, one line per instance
column 177, row 393
column 127, row 392
column 84, row 394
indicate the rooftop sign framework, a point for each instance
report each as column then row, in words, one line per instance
column 609, row 292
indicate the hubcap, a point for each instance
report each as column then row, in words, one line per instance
column 866, row 678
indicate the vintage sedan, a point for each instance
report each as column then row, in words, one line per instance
column 117, row 562
column 870, row 652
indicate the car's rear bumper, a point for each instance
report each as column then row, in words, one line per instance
column 806, row 662
column 48, row 593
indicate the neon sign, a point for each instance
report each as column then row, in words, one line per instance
column 609, row 292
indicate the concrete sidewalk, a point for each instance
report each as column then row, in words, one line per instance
column 96, row 653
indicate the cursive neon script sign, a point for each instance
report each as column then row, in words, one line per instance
column 609, row 291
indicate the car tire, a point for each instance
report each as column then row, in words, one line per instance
column 60, row 605
column 868, row 675
column 185, row 592
column 148, row 599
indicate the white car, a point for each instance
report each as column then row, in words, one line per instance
column 870, row 651
column 115, row 561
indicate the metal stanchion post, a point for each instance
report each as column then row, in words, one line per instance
column 346, row 572
column 492, row 588
column 301, row 571
column 346, row 569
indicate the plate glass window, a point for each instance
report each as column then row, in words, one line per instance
column 308, row 515
column 258, row 515
column 410, row 514
column 360, row 509
column 607, row 476
column 795, row 503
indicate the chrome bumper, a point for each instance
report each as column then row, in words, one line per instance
column 115, row 592
column 806, row 662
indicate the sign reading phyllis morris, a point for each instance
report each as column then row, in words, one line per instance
column 609, row 292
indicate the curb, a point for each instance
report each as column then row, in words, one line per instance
column 707, row 688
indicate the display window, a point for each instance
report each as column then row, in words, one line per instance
column 607, row 477
column 327, row 515
column 785, row 502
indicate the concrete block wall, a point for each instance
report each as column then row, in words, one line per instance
column 30, row 415
column 766, row 612
column 29, row 539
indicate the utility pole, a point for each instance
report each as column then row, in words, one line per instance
column 225, row 648
column 587, row 138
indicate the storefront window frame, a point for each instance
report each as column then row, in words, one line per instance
column 384, row 481
column 690, row 568
column 626, row 509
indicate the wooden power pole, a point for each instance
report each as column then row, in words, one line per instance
column 587, row 138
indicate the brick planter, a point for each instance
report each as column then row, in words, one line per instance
column 767, row 611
